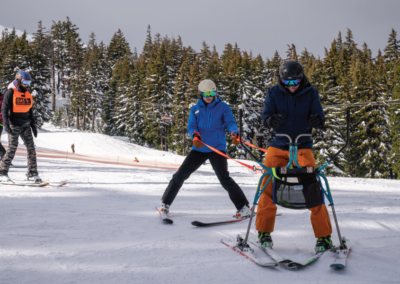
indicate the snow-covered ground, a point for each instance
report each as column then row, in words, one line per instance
column 103, row 227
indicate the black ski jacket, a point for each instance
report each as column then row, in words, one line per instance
column 17, row 119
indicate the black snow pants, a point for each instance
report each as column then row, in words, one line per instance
column 220, row 165
column 26, row 135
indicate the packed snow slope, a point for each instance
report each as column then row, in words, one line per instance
column 103, row 227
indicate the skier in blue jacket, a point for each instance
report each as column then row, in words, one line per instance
column 207, row 122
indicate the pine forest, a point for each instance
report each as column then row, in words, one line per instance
column 113, row 89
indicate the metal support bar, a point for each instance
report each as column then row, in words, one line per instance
column 342, row 244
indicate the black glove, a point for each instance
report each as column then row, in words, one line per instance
column 273, row 121
column 316, row 121
column 34, row 130
column 7, row 128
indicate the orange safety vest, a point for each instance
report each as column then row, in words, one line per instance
column 22, row 102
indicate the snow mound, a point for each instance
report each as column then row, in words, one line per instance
column 19, row 33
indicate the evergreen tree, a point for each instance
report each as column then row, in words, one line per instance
column 38, row 69
column 68, row 55
column 122, row 71
column 323, row 75
column 369, row 141
column 395, row 125
column 134, row 116
column 158, row 90
column 390, row 79
column 148, row 44
column 117, row 49
column 180, row 110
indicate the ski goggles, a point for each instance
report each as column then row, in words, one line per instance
column 209, row 94
column 26, row 82
column 291, row 83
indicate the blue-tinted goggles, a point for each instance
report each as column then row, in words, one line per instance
column 291, row 83
column 209, row 94
column 26, row 82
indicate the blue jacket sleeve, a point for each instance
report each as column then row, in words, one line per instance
column 269, row 105
column 316, row 107
column 192, row 125
column 229, row 120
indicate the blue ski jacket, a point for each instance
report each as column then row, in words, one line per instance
column 295, row 110
column 209, row 121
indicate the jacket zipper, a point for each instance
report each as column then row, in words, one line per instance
column 209, row 120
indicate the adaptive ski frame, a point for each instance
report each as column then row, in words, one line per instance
column 293, row 158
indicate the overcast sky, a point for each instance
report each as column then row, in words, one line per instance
column 262, row 26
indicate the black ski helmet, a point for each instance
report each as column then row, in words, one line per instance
column 291, row 70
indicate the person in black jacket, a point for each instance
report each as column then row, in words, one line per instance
column 291, row 107
column 18, row 121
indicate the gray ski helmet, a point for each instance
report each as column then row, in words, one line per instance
column 291, row 70
column 206, row 86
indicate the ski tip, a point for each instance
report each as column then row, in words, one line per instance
column 197, row 223
column 337, row 266
column 167, row 221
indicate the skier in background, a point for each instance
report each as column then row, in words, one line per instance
column 19, row 122
column 73, row 148
column 291, row 107
column 207, row 122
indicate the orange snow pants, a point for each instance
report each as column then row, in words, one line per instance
column 266, row 211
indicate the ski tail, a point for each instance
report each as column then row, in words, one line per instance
column 251, row 254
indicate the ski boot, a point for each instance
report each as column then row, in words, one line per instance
column 265, row 239
column 323, row 244
column 5, row 179
column 34, row 178
column 243, row 213
column 164, row 208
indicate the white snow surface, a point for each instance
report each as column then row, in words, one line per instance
column 103, row 226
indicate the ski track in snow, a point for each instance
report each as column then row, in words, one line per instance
column 102, row 227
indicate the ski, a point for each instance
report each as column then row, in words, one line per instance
column 18, row 167
column 297, row 265
column 26, row 184
column 164, row 217
column 341, row 255
column 58, row 184
column 203, row 224
column 253, row 254
column 279, row 259
column 288, row 263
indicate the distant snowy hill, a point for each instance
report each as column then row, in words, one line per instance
column 19, row 33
